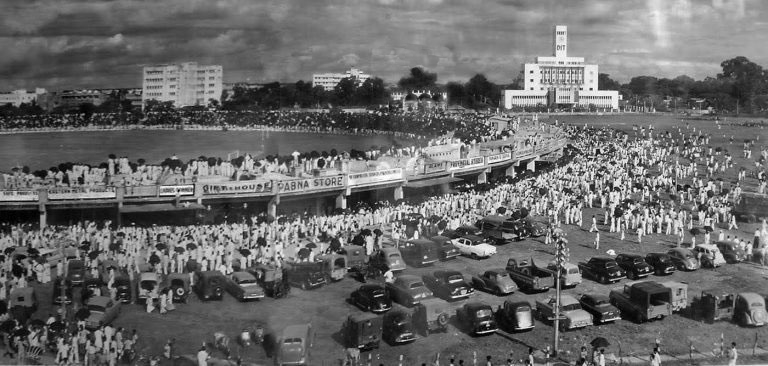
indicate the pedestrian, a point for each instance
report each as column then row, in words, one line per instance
column 530, row 357
column 733, row 355
column 639, row 235
column 597, row 240
column 594, row 224
column 488, row 361
column 601, row 358
column 202, row 357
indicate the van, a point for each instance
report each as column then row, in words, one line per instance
column 498, row 229
column 293, row 345
column 710, row 255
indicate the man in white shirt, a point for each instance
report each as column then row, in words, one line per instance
column 202, row 357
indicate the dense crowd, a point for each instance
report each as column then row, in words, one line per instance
column 649, row 183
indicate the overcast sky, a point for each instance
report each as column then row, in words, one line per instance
column 100, row 43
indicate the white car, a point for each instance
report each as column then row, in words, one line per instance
column 474, row 246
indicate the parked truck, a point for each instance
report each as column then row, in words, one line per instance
column 643, row 301
column 528, row 276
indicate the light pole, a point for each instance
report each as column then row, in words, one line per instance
column 561, row 257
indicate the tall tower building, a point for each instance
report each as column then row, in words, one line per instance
column 184, row 84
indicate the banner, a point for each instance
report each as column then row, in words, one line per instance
column 434, row 167
column 524, row 152
column 311, row 184
column 18, row 196
column 476, row 162
column 247, row 186
column 81, row 193
column 490, row 159
column 183, row 190
column 374, row 177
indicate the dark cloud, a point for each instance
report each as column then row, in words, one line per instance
column 92, row 43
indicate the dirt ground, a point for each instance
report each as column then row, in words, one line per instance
column 326, row 308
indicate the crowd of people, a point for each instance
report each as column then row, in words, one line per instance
column 649, row 183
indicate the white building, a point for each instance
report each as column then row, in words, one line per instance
column 17, row 97
column 329, row 80
column 185, row 84
column 559, row 80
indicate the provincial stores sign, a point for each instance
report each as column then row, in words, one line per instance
column 311, row 184
column 475, row 162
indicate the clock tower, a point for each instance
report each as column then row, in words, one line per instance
column 560, row 41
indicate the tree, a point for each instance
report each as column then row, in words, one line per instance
column 418, row 79
column 344, row 91
column 372, row 92
column 482, row 92
column 604, row 82
column 456, row 93
column 213, row 103
column 746, row 77
column 643, row 85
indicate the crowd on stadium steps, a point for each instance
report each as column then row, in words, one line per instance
column 121, row 171
column 649, row 183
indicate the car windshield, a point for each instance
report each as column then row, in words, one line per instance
column 292, row 341
column 455, row 278
column 247, row 281
column 522, row 309
column 637, row 261
column 573, row 271
column 686, row 255
column 96, row 308
column 610, row 264
column 394, row 256
column 501, row 276
column 378, row 294
column 601, row 301
column 484, row 313
column 508, row 225
column 571, row 307
column 416, row 285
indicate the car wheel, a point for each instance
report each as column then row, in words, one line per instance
column 180, row 292
column 474, row 256
column 602, row 279
column 304, row 286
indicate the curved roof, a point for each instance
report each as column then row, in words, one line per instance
column 411, row 96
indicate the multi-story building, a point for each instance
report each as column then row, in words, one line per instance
column 17, row 97
column 329, row 80
column 185, row 84
column 561, row 81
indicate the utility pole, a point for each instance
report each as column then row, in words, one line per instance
column 561, row 257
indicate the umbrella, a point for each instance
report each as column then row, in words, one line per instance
column 8, row 251
column 378, row 232
column 523, row 213
column 358, row 240
column 85, row 245
column 310, row 245
column 161, row 246
column 21, row 256
column 618, row 212
column 281, row 220
column 433, row 219
column 7, row 326
column 94, row 254
column 708, row 229
column 600, row 342
column 304, row 253
column 179, row 250
column 245, row 252
column 191, row 246
column 21, row 332
column 154, row 259
column 695, row 231
column 501, row 210
column 442, row 225
column 260, row 241
column 82, row 314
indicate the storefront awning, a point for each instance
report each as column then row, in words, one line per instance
column 431, row 182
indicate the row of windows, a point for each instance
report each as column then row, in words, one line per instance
column 153, row 80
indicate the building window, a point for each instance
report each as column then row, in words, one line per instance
column 531, row 72
column 590, row 89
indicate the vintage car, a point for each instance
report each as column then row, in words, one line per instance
column 466, row 230
column 497, row 229
column 643, row 300
column 180, row 286
column 76, row 271
column 602, row 269
column 533, row 227
column 243, row 286
column 515, row 316
column 712, row 307
column 148, row 285
column 570, row 309
column 398, row 328
column 749, row 310
column 528, row 276
column 294, row 344
column 388, row 258
column 495, row 281
column 600, row 307
column 661, row 263
column 62, row 291
column 94, row 286
column 448, row 285
column 305, row 275
column 570, row 275
column 122, row 285
column 22, row 303
column 362, row 331
column 430, row 315
column 209, row 285
column 372, row 297
column 418, row 252
column 356, row 257
column 272, row 279
column 334, row 266
column 634, row 266
column 710, row 255
column 445, row 248
column 408, row 290
column 679, row 298
column 103, row 310
column 731, row 251
column 474, row 247
column 477, row 318
column 684, row 259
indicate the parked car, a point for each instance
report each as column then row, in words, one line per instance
column 634, row 266
column 570, row 275
column 474, row 247
column 679, row 298
column 180, row 286
column 495, row 281
column 122, row 286
column 408, row 290
column 731, row 251
column 363, row 331
column 76, row 271
column 710, row 255
column 356, row 256
column 477, row 318
column 534, row 228
column 749, row 310
column 683, row 259
column 274, row 280
column 22, row 303
column 529, row 276
column 103, row 310
column 712, row 307
column 600, row 307
column 148, row 285
column 398, row 328
column 334, row 266
column 515, row 316
column 467, row 230
column 496, row 229
column 93, row 286
column 388, row 258
column 602, row 269
column 661, row 263
column 448, row 285
column 430, row 315
column 418, row 252
column 209, row 285
column 445, row 248
column 643, row 301
column 294, row 344
column 243, row 286
column 305, row 275
column 372, row 297
column 570, row 309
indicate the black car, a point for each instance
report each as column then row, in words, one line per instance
column 634, row 265
column 533, row 228
column 398, row 328
column 76, row 271
column 448, row 285
column 477, row 318
column 122, row 285
column 306, row 275
column 600, row 307
column 209, row 285
column 445, row 249
column 59, row 296
column 602, row 269
column 372, row 297
column 661, row 263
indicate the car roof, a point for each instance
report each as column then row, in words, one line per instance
column 210, row 274
column 446, row 272
column 594, row 296
column 650, row 286
column 477, row 305
column 707, row 246
column 371, row 287
column 629, row 255
column 421, row 241
column 360, row 317
column 497, row 271
column 657, row 254
column 99, row 300
column 440, row 238
column 517, row 304
column 603, row 259
column 390, row 250
column 243, row 276
column 752, row 297
column 566, row 299
column 497, row 218
column 296, row 331
column 472, row 237
column 680, row 250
